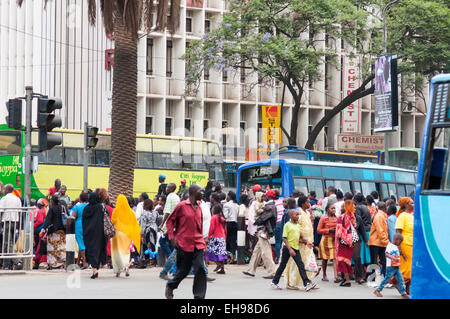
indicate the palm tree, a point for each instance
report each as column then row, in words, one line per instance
column 124, row 18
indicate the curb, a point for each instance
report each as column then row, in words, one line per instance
column 12, row 272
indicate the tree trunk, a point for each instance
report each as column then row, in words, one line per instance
column 123, row 115
column 349, row 99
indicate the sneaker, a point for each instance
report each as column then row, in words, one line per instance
column 377, row 293
column 389, row 286
column 210, row 279
column 248, row 274
column 310, row 286
column 165, row 277
column 268, row 277
column 275, row 286
column 169, row 292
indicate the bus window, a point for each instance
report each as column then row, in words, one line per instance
column 102, row 157
column 144, row 160
column 216, row 173
column 10, row 143
column 262, row 175
column 336, row 172
column 437, row 172
column 344, row 186
column 387, row 176
column 306, row 170
column 317, row 186
column 54, row 156
column 384, row 191
column 300, row 184
column 410, row 190
column 198, row 163
column 357, row 187
column 73, row 156
column 392, row 190
column 368, row 174
column 367, row 188
column 405, row 177
column 401, row 191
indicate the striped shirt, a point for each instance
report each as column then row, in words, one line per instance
column 280, row 209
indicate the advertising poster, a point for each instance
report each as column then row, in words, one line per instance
column 386, row 95
column 271, row 125
column 350, row 81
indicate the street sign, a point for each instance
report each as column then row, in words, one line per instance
column 359, row 143
column 351, row 120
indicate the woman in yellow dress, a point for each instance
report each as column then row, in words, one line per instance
column 127, row 231
column 404, row 225
column 293, row 279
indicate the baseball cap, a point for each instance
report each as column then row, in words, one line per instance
column 270, row 193
column 162, row 176
column 183, row 180
column 256, row 188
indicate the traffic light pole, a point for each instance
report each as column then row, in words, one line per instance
column 29, row 104
column 86, row 158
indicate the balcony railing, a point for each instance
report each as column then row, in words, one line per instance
column 212, row 90
column 174, row 87
column 154, row 86
column 230, row 91
column 248, row 92
column 265, row 94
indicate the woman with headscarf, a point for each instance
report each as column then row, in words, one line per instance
column 104, row 199
column 404, row 226
column 56, row 236
column 344, row 251
column 127, row 231
column 93, row 233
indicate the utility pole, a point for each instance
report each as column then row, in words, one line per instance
column 86, row 158
column 386, row 134
column 29, row 104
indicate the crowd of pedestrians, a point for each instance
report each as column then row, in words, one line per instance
column 191, row 227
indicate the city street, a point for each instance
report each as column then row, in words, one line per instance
column 145, row 284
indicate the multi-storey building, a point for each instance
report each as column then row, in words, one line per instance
column 57, row 52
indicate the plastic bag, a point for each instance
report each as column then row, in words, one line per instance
column 311, row 264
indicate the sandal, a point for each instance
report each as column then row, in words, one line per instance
column 94, row 275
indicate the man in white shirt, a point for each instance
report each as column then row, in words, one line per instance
column 140, row 206
column 10, row 221
column 340, row 202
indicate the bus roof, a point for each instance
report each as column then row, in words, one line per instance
column 441, row 78
column 306, row 162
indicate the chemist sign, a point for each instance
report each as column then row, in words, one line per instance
column 359, row 143
column 350, row 116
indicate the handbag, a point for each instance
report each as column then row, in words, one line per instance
column 351, row 238
column 108, row 227
column 63, row 216
column 311, row 264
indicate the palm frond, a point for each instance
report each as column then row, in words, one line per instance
column 174, row 21
column 148, row 12
column 161, row 20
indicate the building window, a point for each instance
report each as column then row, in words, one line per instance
column 224, row 132
column 242, row 73
column 169, row 59
column 206, row 74
column 207, row 26
column 169, row 126
column 187, row 126
column 327, row 63
column 242, row 134
column 188, row 25
column 149, row 56
column 148, row 124
column 224, row 75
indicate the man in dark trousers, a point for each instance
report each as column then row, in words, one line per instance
column 162, row 185
column 185, row 230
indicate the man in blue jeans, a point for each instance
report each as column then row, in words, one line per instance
column 281, row 205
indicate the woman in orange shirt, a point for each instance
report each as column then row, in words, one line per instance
column 327, row 227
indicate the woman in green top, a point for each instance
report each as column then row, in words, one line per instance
column 291, row 238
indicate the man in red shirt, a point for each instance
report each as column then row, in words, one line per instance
column 185, row 230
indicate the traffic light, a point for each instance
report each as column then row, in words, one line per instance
column 14, row 118
column 47, row 121
column 90, row 136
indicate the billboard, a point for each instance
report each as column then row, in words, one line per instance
column 271, row 125
column 386, row 94
column 351, row 81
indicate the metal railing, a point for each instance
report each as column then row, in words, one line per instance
column 16, row 236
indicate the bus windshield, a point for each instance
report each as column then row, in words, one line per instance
column 407, row 159
column 10, row 143
column 266, row 175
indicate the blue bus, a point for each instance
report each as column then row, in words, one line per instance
column 300, row 153
column 430, row 277
column 285, row 175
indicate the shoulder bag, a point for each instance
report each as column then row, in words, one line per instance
column 108, row 227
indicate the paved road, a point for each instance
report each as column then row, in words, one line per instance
column 146, row 284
